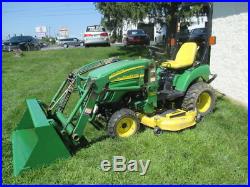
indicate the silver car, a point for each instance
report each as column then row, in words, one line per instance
column 70, row 42
column 96, row 35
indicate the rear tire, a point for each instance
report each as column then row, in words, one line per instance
column 123, row 123
column 65, row 45
column 201, row 97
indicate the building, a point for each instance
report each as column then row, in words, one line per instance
column 157, row 31
column 229, row 57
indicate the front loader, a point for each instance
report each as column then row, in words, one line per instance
column 118, row 96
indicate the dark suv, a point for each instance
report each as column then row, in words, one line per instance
column 25, row 43
column 197, row 35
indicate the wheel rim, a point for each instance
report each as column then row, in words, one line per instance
column 126, row 127
column 204, row 102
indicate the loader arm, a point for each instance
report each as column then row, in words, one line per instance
column 84, row 106
column 46, row 134
column 60, row 99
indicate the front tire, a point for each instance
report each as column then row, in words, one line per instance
column 123, row 123
column 200, row 97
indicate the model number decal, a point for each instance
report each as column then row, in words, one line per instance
column 124, row 71
column 134, row 76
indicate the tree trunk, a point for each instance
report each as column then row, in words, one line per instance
column 172, row 30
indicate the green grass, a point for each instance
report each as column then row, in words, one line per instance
column 214, row 152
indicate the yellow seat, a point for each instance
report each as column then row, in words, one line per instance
column 184, row 58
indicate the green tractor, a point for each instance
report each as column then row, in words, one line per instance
column 119, row 96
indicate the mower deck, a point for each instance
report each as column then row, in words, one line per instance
column 173, row 121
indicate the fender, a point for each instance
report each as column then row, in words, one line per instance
column 182, row 81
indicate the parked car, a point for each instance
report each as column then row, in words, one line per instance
column 70, row 42
column 136, row 37
column 195, row 35
column 25, row 43
column 96, row 35
column 198, row 34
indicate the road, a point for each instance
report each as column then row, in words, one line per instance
column 59, row 48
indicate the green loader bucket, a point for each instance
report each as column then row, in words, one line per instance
column 35, row 141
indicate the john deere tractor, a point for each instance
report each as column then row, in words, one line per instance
column 118, row 96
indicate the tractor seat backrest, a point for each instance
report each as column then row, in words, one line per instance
column 184, row 58
column 187, row 53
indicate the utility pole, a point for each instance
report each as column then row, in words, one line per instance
column 49, row 31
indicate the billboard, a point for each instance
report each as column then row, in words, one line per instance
column 41, row 31
column 63, row 33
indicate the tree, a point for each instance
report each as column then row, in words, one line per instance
column 161, row 12
column 112, row 15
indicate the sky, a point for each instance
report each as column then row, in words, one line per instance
column 22, row 17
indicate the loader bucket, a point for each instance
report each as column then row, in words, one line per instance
column 35, row 141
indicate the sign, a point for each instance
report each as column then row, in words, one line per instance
column 41, row 31
column 63, row 33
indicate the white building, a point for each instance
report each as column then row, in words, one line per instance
column 197, row 22
column 229, row 57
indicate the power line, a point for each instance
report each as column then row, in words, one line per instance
column 54, row 15
column 25, row 10
column 48, row 5
column 60, row 14
column 68, row 14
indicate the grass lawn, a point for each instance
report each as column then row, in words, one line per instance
column 214, row 152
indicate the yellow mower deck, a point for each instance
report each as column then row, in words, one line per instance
column 173, row 121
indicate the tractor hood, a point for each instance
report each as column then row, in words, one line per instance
column 119, row 67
